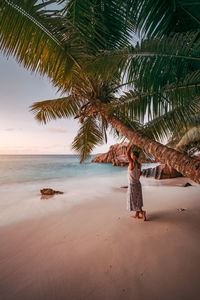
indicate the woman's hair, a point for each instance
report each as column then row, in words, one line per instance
column 136, row 154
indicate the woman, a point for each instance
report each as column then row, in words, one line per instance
column 134, row 200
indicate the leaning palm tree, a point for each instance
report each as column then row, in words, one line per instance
column 174, row 103
column 57, row 44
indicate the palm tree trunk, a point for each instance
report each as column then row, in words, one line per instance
column 184, row 164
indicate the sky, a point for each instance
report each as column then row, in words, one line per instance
column 20, row 133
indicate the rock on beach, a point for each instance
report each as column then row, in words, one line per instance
column 49, row 192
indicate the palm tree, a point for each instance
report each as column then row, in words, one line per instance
column 59, row 44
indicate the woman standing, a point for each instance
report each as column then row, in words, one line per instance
column 134, row 200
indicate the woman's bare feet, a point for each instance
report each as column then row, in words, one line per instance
column 143, row 212
column 136, row 216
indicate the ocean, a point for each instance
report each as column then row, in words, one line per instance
column 32, row 168
column 22, row 177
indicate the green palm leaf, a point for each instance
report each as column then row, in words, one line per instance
column 157, row 62
column 89, row 135
column 154, row 62
column 102, row 23
column 65, row 107
column 172, row 122
column 42, row 41
column 158, row 17
column 152, row 104
column 192, row 135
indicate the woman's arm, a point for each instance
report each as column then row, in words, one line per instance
column 128, row 154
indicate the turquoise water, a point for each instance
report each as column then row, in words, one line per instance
column 23, row 176
column 31, row 168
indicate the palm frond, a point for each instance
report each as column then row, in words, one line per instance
column 43, row 42
column 157, row 62
column 154, row 62
column 65, row 107
column 102, row 23
column 192, row 135
column 158, row 17
column 172, row 122
column 89, row 135
column 59, row 42
column 152, row 104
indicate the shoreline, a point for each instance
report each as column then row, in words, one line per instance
column 23, row 201
column 94, row 250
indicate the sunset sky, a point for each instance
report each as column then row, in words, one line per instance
column 20, row 133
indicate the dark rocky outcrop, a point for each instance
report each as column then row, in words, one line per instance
column 187, row 184
column 49, row 192
column 164, row 172
column 116, row 155
column 161, row 172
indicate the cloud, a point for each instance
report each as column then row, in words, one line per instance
column 13, row 129
column 9, row 129
column 57, row 129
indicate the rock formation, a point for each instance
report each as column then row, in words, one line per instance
column 49, row 192
column 116, row 155
column 161, row 172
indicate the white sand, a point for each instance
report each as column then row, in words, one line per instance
column 94, row 250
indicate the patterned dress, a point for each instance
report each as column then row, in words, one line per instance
column 134, row 195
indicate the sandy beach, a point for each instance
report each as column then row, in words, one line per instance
column 95, row 250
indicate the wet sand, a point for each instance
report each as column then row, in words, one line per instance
column 95, row 250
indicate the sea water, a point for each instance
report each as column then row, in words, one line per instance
column 32, row 168
column 22, row 177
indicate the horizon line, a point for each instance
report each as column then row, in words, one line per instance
column 44, row 154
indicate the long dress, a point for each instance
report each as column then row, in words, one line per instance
column 134, row 195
